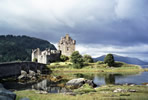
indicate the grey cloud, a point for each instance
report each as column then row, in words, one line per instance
column 114, row 22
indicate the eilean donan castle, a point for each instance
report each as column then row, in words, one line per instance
column 66, row 47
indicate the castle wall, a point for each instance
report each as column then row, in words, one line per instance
column 46, row 56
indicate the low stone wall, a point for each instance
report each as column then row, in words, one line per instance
column 14, row 68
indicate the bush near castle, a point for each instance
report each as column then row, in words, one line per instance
column 77, row 59
column 64, row 58
column 87, row 59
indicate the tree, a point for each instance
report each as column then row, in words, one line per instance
column 13, row 48
column 63, row 58
column 109, row 59
column 88, row 59
column 77, row 60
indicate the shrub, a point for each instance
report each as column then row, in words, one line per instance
column 64, row 58
column 109, row 59
column 88, row 59
column 100, row 62
column 77, row 65
column 86, row 88
column 35, row 60
column 77, row 60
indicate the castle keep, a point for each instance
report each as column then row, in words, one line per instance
column 67, row 45
column 46, row 56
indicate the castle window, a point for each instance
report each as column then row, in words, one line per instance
column 67, row 49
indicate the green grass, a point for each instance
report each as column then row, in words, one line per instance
column 84, row 89
column 140, row 94
column 88, row 93
column 95, row 67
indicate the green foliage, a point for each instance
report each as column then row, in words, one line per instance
column 64, row 58
column 77, row 65
column 84, row 89
column 35, row 60
column 13, row 48
column 109, row 59
column 88, row 59
column 77, row 60
column 99, row 62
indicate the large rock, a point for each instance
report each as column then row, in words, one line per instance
column 119, row 90
column 23, row 72
column 76, row 83
column 32, row 73
column 41, row 85
column 6, row 94
column 38, row 72
column 23, row 75
column 30, row 76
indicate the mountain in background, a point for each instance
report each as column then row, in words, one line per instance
column 14, row 48
column 128, row 60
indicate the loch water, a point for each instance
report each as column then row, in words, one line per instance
column 121, row 79
column 135, row 78
column 99, row 78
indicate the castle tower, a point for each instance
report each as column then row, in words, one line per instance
column 67, row 45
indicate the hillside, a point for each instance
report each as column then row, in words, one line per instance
column 14, row 48
column 128, row 60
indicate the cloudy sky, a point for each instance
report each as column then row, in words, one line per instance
column 98, row 26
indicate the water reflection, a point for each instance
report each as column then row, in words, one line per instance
column 50, row 87
column 89, row 76
column 111, row 78
column 43, row 85
column 108, row 78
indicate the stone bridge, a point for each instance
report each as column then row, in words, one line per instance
column 14, row 68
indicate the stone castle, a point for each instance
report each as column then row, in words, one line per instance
column 66, row 47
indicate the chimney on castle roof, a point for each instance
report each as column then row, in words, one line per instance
column 67, row 36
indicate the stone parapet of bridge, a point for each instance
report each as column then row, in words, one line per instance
column 14, row 68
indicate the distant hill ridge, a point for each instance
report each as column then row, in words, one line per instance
column 128, row 60
column 14, row 48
